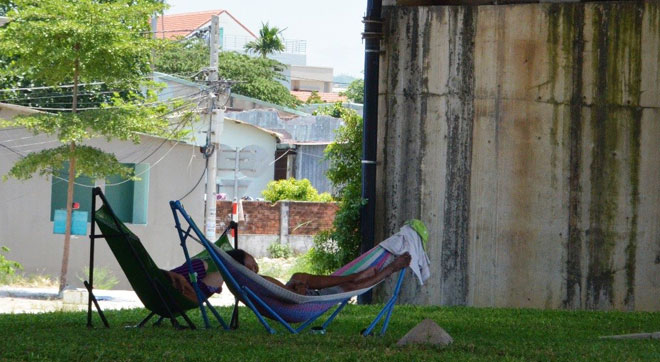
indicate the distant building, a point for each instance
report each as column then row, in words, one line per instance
column 303, row 140
column 233, row 37
column 299, row 138
column 233, row 34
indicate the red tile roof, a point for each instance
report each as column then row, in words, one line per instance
column 178, row 25
column 325, row 97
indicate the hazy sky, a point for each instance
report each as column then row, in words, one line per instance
column 332, row 29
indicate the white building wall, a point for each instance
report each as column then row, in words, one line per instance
column 25, row 225
column 237, row 134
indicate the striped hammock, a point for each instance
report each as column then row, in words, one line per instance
column 267, row 299
column 292, row 307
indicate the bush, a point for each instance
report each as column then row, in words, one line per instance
column 355, row 91
column 7, row 267
column 30, row 280
column 293, row 190
column 103, row 278
column 341, row 244
column 277, row 250
column 314, row 98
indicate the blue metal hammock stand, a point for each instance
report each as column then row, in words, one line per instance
column 265, row 303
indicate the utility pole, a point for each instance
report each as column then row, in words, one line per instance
column 216, row 120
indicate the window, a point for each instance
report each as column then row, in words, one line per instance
column 129, row 199
column 280, row 165
column 82, row 192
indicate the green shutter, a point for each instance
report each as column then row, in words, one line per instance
column 82, row 192
column 129, row 199
column 141, row 194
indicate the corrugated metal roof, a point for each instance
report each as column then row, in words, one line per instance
column 278, row 136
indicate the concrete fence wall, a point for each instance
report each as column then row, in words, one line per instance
column 291, row 223
column 527, row 137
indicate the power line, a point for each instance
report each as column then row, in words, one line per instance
column 168, row 100
column 51, row 87
column 197, row 183
column 169, row 90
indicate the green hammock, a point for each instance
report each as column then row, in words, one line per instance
column 151, row 284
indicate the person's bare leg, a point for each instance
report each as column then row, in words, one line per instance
column 399, row 263
column 327, row 281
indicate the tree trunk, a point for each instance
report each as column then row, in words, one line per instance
column 70, row 183
column 69, row 212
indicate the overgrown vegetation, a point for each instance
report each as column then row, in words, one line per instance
column 355, row 91
column 479, row 335
column 103, row 277
column 341, row 244
column 7, row 267
column 279, row 250
column 257, row 77
column 32, row 280
column 293, row 190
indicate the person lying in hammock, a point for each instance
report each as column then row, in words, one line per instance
column 208, row 282
column 310, row 284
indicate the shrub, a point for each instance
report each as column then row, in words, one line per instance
column 314, row 98
column 293, row 190
column 278, row 250
column 103, row 277
column 7, row 267
column 31, row 280
column 341, row 244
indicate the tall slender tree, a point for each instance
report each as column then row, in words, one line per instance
column 269, row 41
column 61, row 42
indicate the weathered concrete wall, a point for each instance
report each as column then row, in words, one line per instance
column 527, row 137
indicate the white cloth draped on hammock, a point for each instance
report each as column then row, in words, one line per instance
column 407, row 240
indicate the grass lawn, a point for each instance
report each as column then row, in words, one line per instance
column 479, row 334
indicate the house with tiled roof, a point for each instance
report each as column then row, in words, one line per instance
column 326, row 97
column 233, row 37
column 233, row 34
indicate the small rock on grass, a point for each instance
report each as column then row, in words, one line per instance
column 426, row 332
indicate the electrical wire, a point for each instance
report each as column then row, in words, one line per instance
column 113, row 107
column 149, row 168
column 51, row 87
column 60, row 94
column 282, row 155
column 198, row 181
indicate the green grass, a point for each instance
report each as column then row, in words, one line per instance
column 479, row 334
